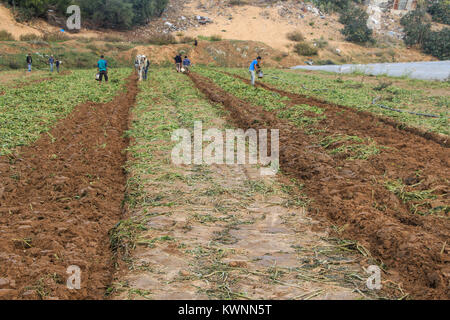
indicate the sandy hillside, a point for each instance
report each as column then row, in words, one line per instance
column 270, row 24
column 37, row 26
column 259, row 22
column 265, row 25
column 8, row 23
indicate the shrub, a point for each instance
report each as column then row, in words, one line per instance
column 321, row 43
column 305, row 49
column 237, row 2
column 186, row 39
column 215, row 38
column 296, row 36
column 111, row 38
column 325, row 62
column 439, row 11
column 437, row 43
column 355, row 26
column 55, row 37
column 334, row 5
column 161, row 39
column 416, row 25
column 30, row 37
column 6, row 36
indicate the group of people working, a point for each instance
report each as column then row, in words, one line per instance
column 51, row 61
column 181, row 63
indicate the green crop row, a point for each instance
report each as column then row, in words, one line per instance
column 29, row 111
column 270, row 101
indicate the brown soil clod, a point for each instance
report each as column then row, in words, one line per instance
column 47, row 221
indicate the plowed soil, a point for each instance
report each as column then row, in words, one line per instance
column 352, row 193
column 58, row 200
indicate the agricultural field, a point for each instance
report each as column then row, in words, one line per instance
column 364, row 92
column 88, row 179
column 30, row 107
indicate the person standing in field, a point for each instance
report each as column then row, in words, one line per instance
column 29, row 62
column 102, row 66
column 57, row 63
column 178, row 61
column 146, row 66
column 51, row 61
column 186, row 64
column 254, row 66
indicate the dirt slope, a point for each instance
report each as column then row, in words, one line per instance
column 8, row 23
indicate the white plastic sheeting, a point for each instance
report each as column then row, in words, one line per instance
column 430, row 70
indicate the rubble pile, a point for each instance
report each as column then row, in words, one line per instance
column 383, row 20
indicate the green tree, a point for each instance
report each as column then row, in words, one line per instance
column 439, row 10
column 437, row 43
column 416, row 26
column 355, row 25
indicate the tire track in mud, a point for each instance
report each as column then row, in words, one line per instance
column 413, row 249
column 58, row 200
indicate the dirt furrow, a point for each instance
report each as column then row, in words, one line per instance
column 348, row 194
column 58, row 200
column 404, row 155
column 395, row 131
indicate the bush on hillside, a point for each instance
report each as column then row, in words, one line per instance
column 439, row 10
column 296, row 36
column 113, row 38
column 305, row 49
column 30, row 37
column 437, row 43
column 355, row 25
column 416, row 25
column 6, row 36
column 215, row 37
column 321, row 43
column 55, row 37
column 417, row 28
column 160, row 39
column 336, row 5
column 187, row 39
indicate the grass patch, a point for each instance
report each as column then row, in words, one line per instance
column 353, row 147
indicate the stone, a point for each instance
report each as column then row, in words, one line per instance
column 4, row 283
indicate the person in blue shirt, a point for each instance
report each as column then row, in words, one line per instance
column 102, row 66
column 186, row 64
column 51, row 61
column 254, row 66
column 29, row 62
